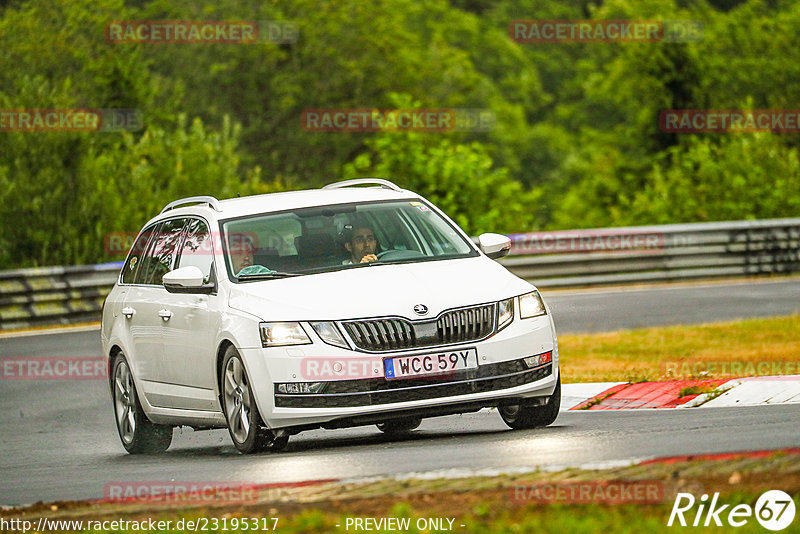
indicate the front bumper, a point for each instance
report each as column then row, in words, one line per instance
column 377, row 391
column 501, row 377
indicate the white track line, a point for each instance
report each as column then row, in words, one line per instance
column 45, row 331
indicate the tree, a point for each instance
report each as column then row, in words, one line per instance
column 458, row 177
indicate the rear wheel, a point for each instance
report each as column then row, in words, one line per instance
column 138, row 434
column 521, row 416
column 399, row 427
column 247, row 430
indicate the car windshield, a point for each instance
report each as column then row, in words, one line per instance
column 342, row 236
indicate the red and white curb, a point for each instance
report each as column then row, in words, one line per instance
column 755, row 391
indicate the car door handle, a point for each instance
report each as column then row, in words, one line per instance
column 128, row 312
column 165, row 314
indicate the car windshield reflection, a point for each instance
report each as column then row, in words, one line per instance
column 332, row 238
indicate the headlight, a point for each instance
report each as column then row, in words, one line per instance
column 505, row 313
column 329, row 333
column 531, row 305
column 278, row 334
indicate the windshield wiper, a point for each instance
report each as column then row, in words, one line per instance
column 267, row 276
column 337, row 268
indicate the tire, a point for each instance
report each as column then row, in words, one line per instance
column 137, row 433
column 399, row 427
column 245, row 426
column 520, row 416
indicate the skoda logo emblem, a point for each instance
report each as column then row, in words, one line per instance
column 420, row 309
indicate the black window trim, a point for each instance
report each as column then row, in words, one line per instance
column 212, row 277
column 178, row 245
column 128, row 257
column 178, row 252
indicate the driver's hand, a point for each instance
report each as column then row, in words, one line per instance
column 368, row 258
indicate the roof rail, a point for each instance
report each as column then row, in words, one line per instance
column 374, row 181
column 211, row 201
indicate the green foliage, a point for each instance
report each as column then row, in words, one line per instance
column 458, row 178
column 744, row 176
column 576, row 142
column 62, row 192
column 617, row 168
column 70, row 190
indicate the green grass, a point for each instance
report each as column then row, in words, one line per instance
column 490, row 518
column 696, row 390
column 715, row 350
column 595, row 401
column 481, row 503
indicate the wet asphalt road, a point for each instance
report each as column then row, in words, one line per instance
column 58, row 439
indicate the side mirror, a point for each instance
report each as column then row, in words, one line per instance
column 494, row 245
column 186, row 280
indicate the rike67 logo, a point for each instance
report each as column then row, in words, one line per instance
column 774, row 510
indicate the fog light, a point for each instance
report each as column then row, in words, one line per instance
column 301, row 388
column 539, row 359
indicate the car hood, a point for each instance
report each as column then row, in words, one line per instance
column 379, row 290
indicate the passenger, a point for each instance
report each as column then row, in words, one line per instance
column 241, row 256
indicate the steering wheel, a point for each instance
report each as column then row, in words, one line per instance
column 393, row 255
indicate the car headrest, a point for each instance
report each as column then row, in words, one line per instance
column 262, row 256
column 314, row 245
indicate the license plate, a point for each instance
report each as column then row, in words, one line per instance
column 430, row 364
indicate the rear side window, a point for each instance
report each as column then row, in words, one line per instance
column 161, row 253
column 134, row 260
column 197, row 248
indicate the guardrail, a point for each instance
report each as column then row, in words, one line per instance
column 54, row 295
column 656, row 253
column 569, row 258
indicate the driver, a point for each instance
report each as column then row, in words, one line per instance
column 361, row 243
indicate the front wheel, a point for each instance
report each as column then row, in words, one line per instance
column 247, row 430
column 520, row 416
column 138, row 434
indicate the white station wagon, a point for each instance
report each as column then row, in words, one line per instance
column 343, row 306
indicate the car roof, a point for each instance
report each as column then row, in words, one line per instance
column 231, row 208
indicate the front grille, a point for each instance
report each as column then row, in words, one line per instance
column 382, row 334
column 453, row 326
column 467, row 324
